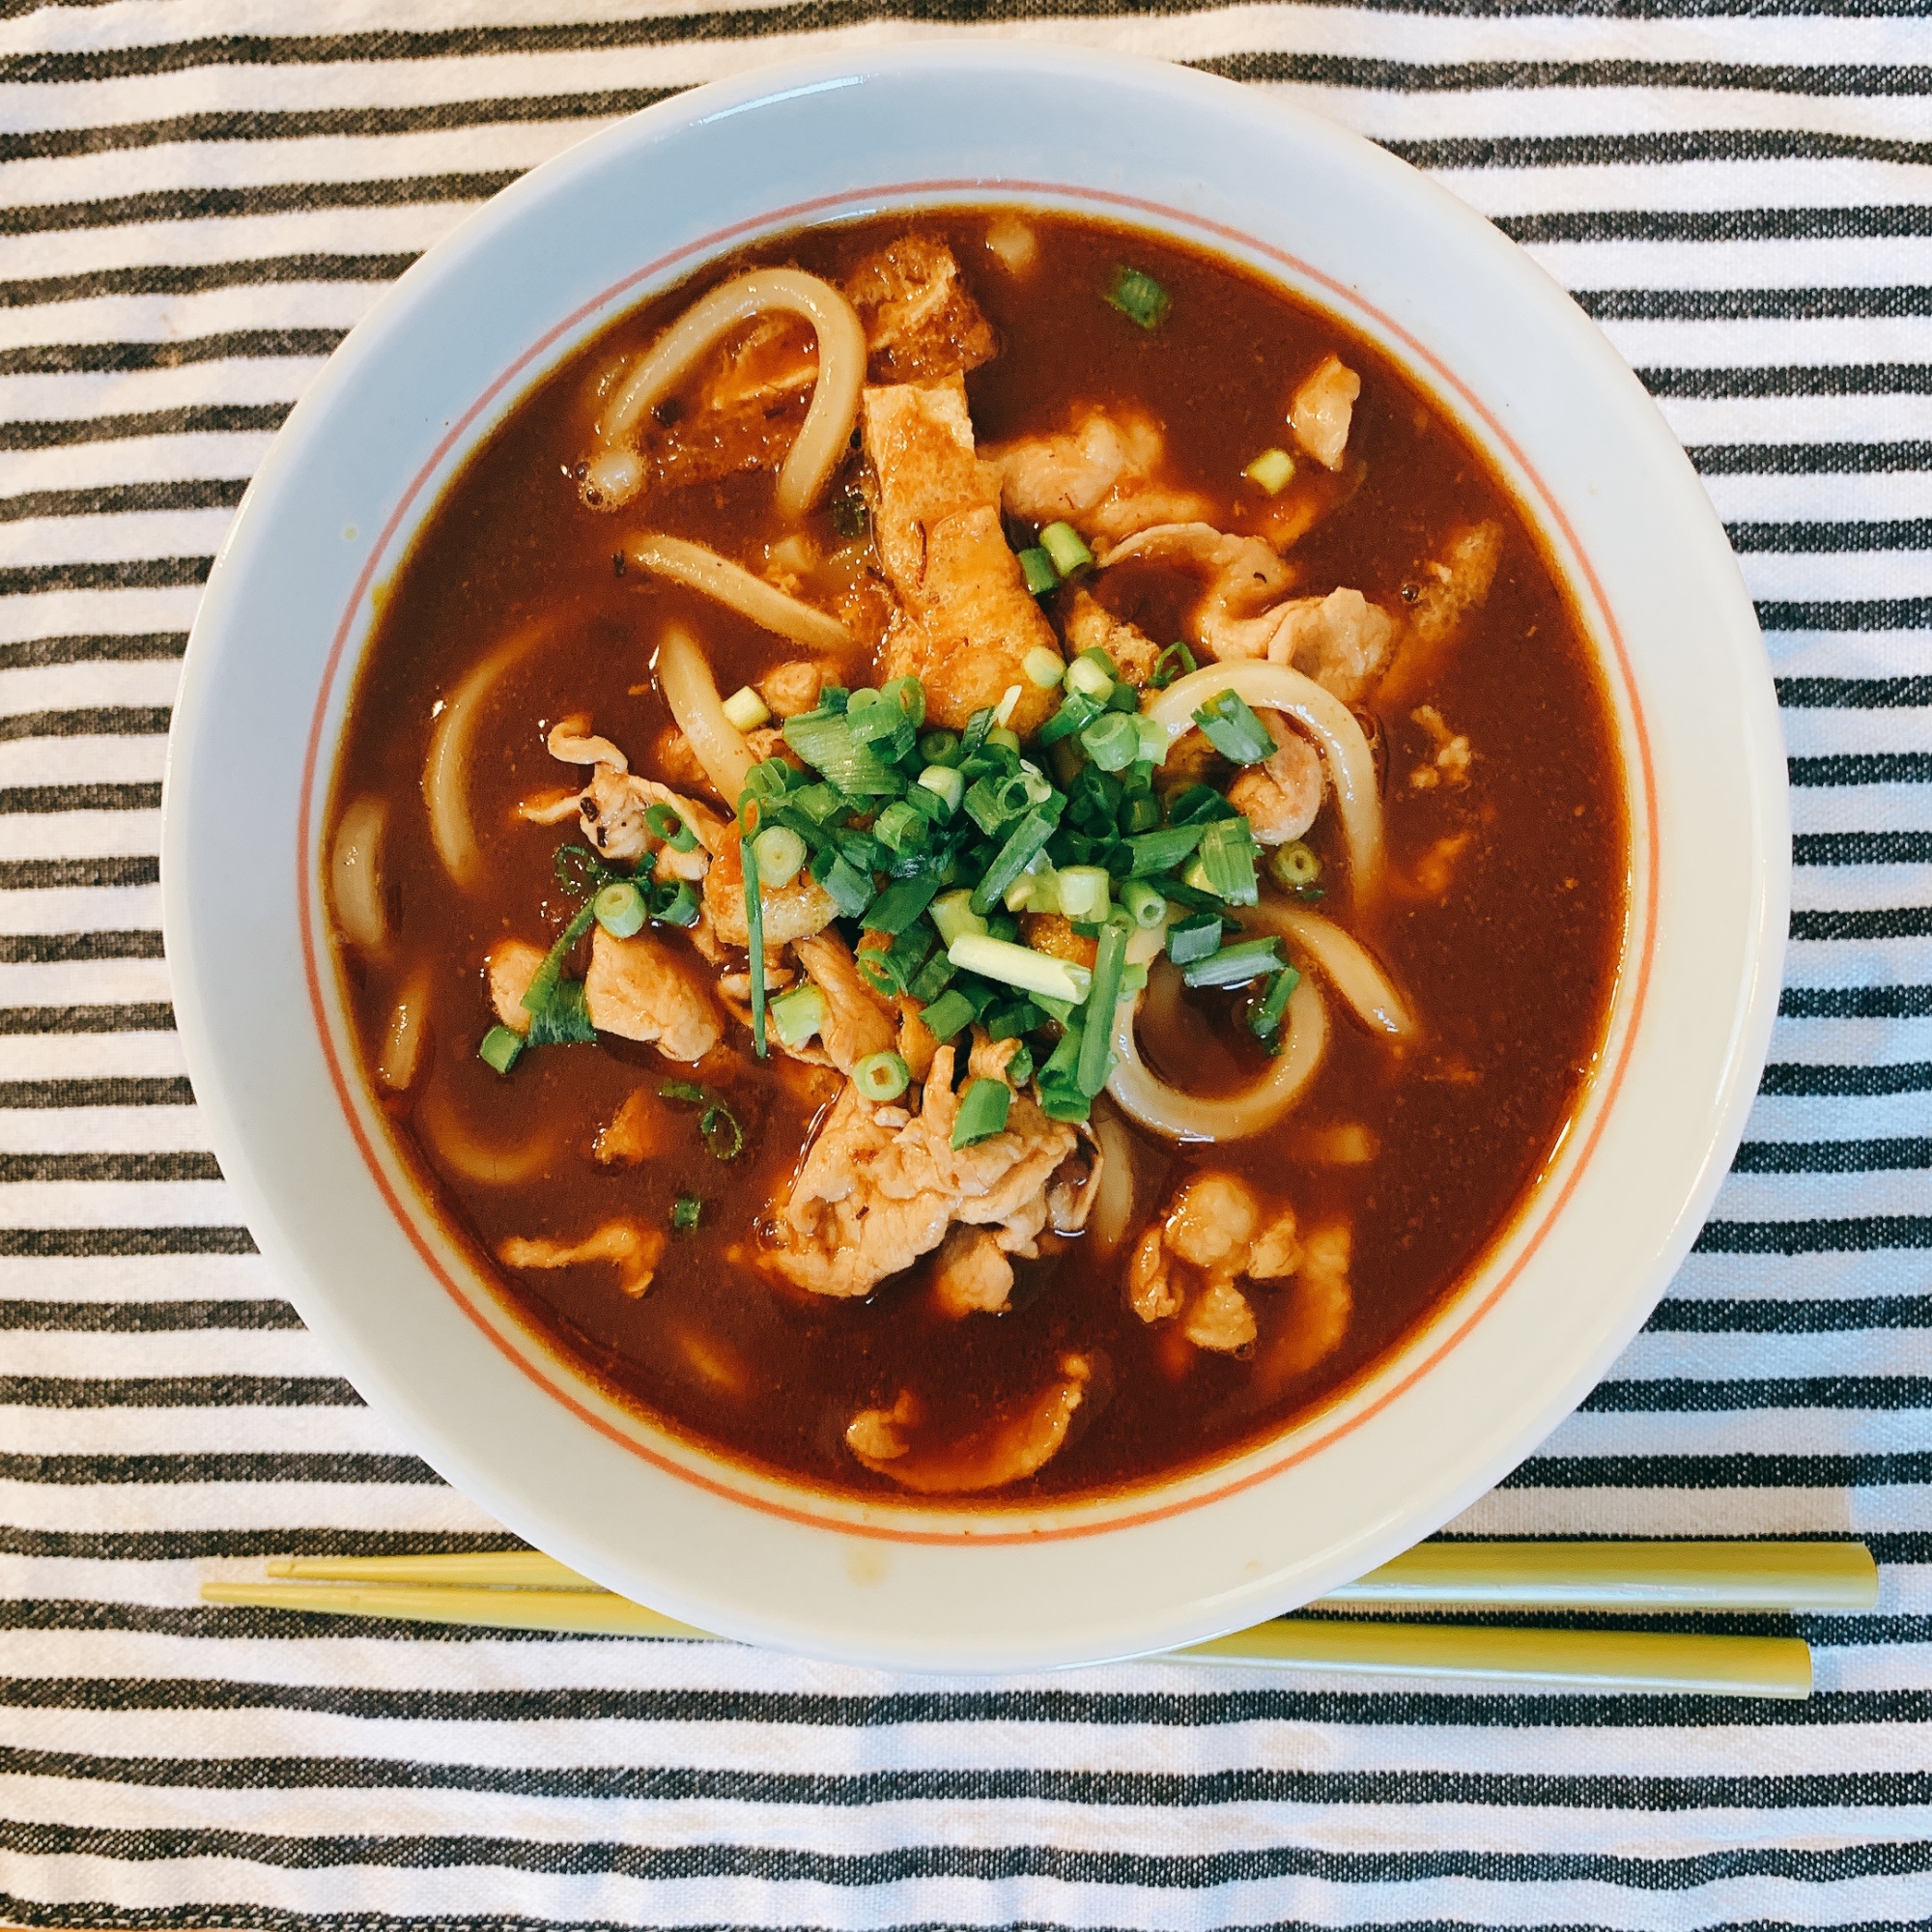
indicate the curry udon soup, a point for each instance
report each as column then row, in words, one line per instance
column 976, row 856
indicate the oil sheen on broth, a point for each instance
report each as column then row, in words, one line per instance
column 956, row 1234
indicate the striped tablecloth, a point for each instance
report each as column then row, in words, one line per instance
column 197, row 198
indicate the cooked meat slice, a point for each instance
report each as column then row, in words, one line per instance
column 969, row 1275
column 1220, row 1319
column 870, row 1198
column 1211, row 1222
column 920, row 322
column 1075, row 1187
column 636, row 1250
column 1341, row 640
column 857, row 1022
column 1087, row 624
column 1321, row 411
column 966, row 619
column 1446, row 589
column 510, row 966
column 631, row 1133
column 1012, row 1447
column 1151, row 1289
column 989, row 1059
column 917, row 1045
column 1243, row 577
column 1282, row 796
column 1320, row 1303
column 1277, row 1249
column 611, row 807
column 640, row 988
column 1104, row 476
column 790, row 911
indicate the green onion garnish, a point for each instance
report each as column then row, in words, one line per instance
column 1022, row 842
column 1273, row 470
column 781, row 856
column 1265, row 1016
column 499, row 1048
column 1236, row 965
column 1013, row 965
column 1112, row 741
column 1232, row 729
column 620, row 909
column 825, row 741
column 1295, row 865
column 542, row 993
column 1036, row 567
column 755, row 939
column 1083, row 891
column 685, row 1212
column 1087, row 678
column 933, row 978
column 952, row 914
column 1142, row 903
column 882, row 1076
column 1064, row 544
column 940, row 748
column 1076, row 712
column 1096, row 1047
column 798, row 1014
column 719, row 1125
column 665, row 823
column 944, row 784
column 1163, row 850
column 1198, row 805
column 681, row 908
column 746, row 710
column 851, row 889
column 1176, row 661
column 1194, row 939
column 1139, row 297
column 1224, row 862
column 982, row 1112
column 900, row 904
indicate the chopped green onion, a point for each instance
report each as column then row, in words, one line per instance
column 1233, row 730
column 1224, row 862
column 1295, row 865
column 664, row 822
column 820, row 803
column 1165, row 672
column 885, row 730
column 1264, row 1017
column 1010, row 1022
column 1139, row 297
column 798, row 1014
column 948, row 1013
column 1036, row 567
column 1194, row 939
column 770, row 779
column 900, row 905
column 933, row 978
column 1112, row 742
column 565, row 1019
column 746, row 710
column 1076, row 712
column 1097, row 1046
column 1043, row 666
column 826, row 742
column 681, row 908
column 975, row 734
column 1198, row 805
column 939, row 747
column 685, row 1211
column 833, row 696
column 544, row 983
column 620, row 909
column 781, row 854
column 1062, row 543
column 907, row 695
column 1103, row 658
column 1010, row 703
column 754, row 935
column 851, row 889
column 982, row 1112
column 1056, row 1080
column 1083, row 891
column 1003, row 736
column 1087, row 678
column 1155, row 744
column 1236, row 965
column 996, row 802
column 861, row 700
column 1020, row 966
column 1124, row 697
column 1163, row 850
column 1019, row 1068
column 952, row 913
column 579, row 871
column 1142, row 903
column 1272, row 469
column 718, row 1124
column 1139, row 814
column 901, row 827
column 944, row 784
column 882, row 1076
column 499, row 1048
column 1022, row 842
column 1036, row 890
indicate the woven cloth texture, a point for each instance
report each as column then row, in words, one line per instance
column 197, row 199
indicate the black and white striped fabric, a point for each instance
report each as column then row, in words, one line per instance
column 197, row 199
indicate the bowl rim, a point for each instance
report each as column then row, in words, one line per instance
column 898, row 1521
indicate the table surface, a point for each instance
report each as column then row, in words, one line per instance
column 197, row 199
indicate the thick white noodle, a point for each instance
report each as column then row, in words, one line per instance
column 446, row 778
column 1344, row 962
column 704, row 570
column 1351, row 767
column 458, row 1148
column 1114, row 1199
column 691, row 692
column 405, row 1037
column 355, row 874
column 1187, row 1117
column 616, row 474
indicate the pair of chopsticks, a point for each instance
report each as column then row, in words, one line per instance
column 526, row 1590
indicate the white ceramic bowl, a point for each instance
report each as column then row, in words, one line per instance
column 439, row 362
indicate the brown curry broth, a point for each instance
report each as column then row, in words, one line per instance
column 1512, row 974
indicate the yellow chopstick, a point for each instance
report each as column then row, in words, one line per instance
column 1734, row 1576
column 1590, row 1659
